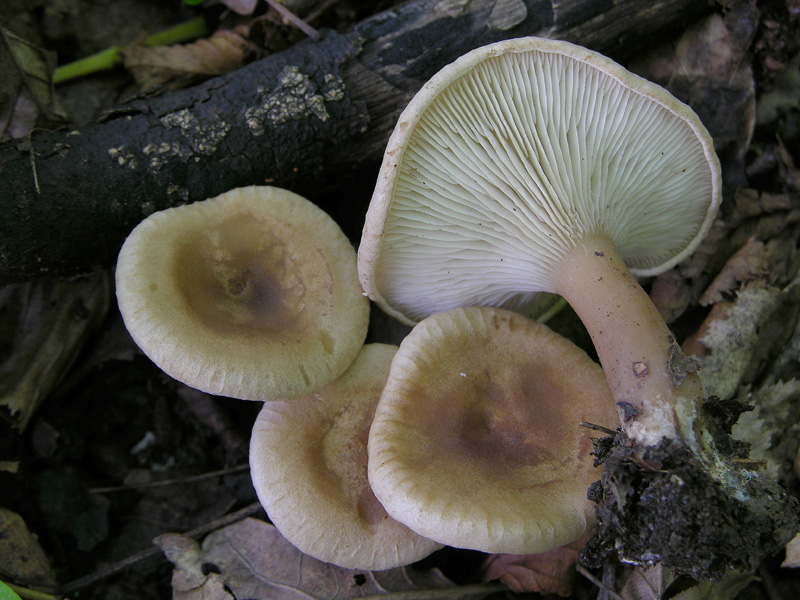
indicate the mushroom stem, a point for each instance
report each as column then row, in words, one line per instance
column 656, row 392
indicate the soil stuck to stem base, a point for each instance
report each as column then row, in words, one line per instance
column 660, row 505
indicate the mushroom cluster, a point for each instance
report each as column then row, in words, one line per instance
column 534, row 165
column 254, row 294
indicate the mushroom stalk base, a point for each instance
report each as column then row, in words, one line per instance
column 656, row 390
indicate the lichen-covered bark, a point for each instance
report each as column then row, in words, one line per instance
column 302, row 119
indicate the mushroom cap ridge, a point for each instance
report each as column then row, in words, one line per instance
column 253, row 294
column 412, row 208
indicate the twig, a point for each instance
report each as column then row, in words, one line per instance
column 111, row 57
column 599, row 584
column 609, row 577
column 295, row 20
column 315, row 14
column 461, row 591
column 768, row 583
column 168, row 482
column 115, row 568
column 605, row 430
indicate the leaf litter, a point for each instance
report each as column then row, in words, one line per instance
column 250, row 559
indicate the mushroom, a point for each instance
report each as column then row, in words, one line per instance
column 253, row 294
column 477, row 439
column 308, row 461
column 535, row 165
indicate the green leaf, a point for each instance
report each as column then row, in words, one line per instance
column 6, row 593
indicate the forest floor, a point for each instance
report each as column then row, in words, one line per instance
column 119, row 453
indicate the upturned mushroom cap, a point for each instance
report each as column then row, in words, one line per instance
column 253, row 294
column 477, row 442
column 513, row 152
column 308, row 461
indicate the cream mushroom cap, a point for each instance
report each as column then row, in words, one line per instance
column 513, row 152
column 308, row 461
column 477, row 442
column 253, row 294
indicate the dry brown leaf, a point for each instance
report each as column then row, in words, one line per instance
column 27, row 89
column 180, row 65
column 736, row 337
column 646, row 584
column 546, row 573
column 752, row 203
column 45, row 324
column 250, row 559
column 792, row 560
column 241, row 7
column 671, row 294
column 707, row 69
column 727, row 589
column 24, row 562
column 750, row 263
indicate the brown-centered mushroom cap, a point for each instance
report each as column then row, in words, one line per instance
column 308, row 461
column 477, row 441
column 253, row 294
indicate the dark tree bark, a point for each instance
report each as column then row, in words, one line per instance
column 306, row 119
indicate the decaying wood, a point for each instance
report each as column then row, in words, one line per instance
column 306, row 119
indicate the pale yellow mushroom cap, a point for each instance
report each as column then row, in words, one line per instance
column 253, row 294
column 308, row 461
column 477, row 441
column 511, row 155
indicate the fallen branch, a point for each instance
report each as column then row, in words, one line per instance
column 307, row 119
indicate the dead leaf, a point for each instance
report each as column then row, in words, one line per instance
column 44, row 325
column 189, row 579
column 180, row 65
column 546, row 573
column 24, row 562
column 646, row 584
column 775, row 410
column 752, row 203
column 670, row 292
column 727, row 589
column 750, row 263
column 27, row 87
column 250, row 559
column 706, row 259
column 241, row 7
column 736, row 336
column 707, row 68
column 792, row 560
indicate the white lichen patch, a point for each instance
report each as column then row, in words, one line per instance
column 333, row 91
column 774, row 416
column 177, row 192
column 159, row 154
column 732, row 341
column 295, row 98
column 203, row 137
column 123, row 157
